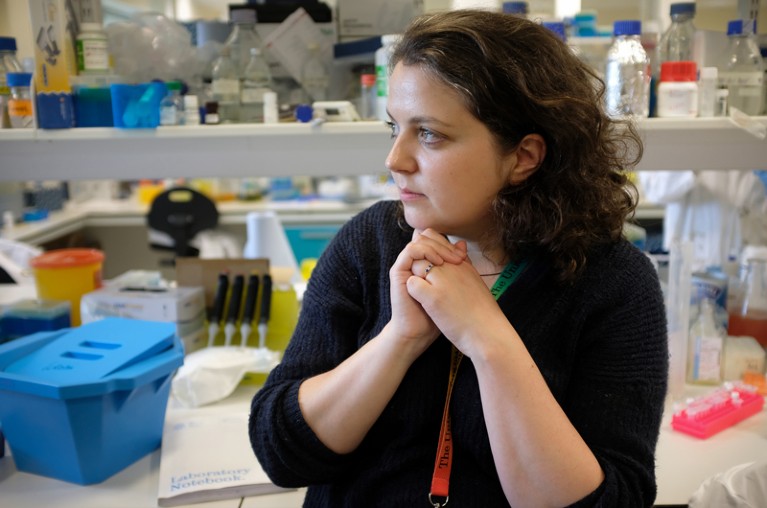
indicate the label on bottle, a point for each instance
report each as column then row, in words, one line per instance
column 92, row 55
column 747, row 79
column 253, row 95
column 708, row 362
column 226, row 89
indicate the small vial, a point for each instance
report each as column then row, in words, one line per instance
column 191, row 110
column 20, row 101
column 368, row 96
column 707, row 91
column 211, row 113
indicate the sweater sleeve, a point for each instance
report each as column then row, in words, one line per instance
column 332, row 325
column 617, row 390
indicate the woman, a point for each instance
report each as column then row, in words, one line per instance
column 511, row 178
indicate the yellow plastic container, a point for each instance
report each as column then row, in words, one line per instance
column 67, row 274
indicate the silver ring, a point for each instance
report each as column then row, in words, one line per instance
column 428, row 269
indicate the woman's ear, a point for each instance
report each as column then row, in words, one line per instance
column 529, row 155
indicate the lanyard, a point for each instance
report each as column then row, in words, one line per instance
column 440, row 482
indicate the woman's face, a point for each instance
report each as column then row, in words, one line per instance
column 445, row 162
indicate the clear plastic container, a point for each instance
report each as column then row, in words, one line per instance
column 677, row 41
column 628, row 73
column 741, row 70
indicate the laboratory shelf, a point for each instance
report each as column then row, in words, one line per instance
column 329, row 149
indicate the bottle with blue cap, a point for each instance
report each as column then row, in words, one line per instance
column 8, row 63
column 628, row 73
column 677, row 42
column 516, row 8
column 741, row 70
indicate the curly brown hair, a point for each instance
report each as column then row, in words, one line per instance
column 517, row 77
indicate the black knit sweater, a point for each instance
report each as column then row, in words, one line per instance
column 600, row 343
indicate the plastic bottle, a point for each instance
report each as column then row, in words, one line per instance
column 225, row 87
column 705, row 355
column 172, row 105
column 92, row 49
column 627, row 73
column 751, row 319
column 368, row 96
column 382, row 72
column 191, row 110
column 707, row 83
column 256, row 81
column 741, row 70
column 558, row 27
column 678, row 90
column 271, row 109
column 314, row 74
column 20, row 102
column 8, row 63
column 676, row 44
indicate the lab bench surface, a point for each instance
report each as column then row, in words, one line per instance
column 683, row 462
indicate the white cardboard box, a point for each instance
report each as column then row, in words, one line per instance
column 368, row 18
column 176, row 305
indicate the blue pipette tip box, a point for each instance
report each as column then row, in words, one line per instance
column 81, row 404
column 29, row 316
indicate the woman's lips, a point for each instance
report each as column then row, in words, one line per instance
column 408, row 195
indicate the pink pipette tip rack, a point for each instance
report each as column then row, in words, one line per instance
column 709, row 414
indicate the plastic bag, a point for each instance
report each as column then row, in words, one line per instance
column 743, row 486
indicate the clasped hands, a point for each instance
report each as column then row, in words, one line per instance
column 436, row 289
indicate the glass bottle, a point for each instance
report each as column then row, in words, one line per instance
column 172, row 105
column 20, row 102
column 751, row 318
column 705, row 355
column 628, row 73
column 243, row 37
column 741, row 70
column 225, row 87
column 677, row 41
column 314, row 74
column 8, row 63
column 256, row 81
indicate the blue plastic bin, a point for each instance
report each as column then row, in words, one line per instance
column 81, row 404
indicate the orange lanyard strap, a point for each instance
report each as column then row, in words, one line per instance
column 440, row 481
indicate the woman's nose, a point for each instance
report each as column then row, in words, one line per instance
column 400, row 159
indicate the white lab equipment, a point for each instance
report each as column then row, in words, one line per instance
column 266, row 238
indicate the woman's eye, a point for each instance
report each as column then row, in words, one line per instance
column 428, row 136
column 393, row 129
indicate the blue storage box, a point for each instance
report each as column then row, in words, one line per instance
column 81, row 404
